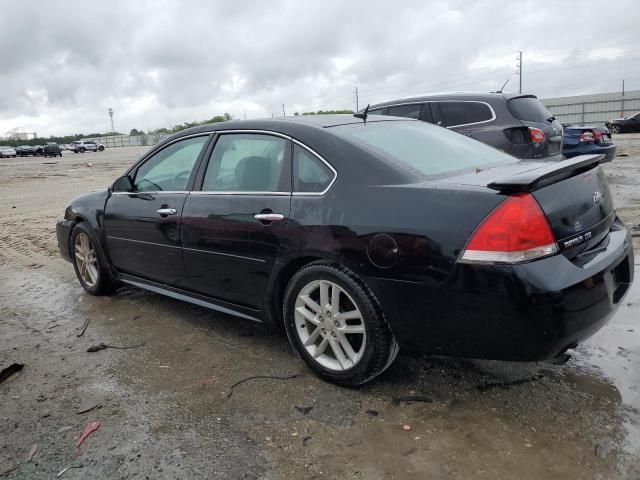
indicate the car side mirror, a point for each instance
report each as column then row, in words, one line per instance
column 123, row 184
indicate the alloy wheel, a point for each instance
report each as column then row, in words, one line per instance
column 86, row 259
column 329, row 325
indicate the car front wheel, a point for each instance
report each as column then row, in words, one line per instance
column 614, row 129
column 89, row 261
column 335, row 323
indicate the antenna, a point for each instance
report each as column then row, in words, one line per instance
column 363, row 115
column 503, row 85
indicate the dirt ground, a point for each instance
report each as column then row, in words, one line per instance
column 169, row 409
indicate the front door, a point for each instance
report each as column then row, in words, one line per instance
column 143, row 226
column 232, row 228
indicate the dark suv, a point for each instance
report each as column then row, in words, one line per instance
column 514, row 123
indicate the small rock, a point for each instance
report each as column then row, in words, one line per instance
column 303, row 410
column 372, row 413
column 406, row 428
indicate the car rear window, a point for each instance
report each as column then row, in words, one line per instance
column 408, row 111
column 529, row 109
column 423, row 148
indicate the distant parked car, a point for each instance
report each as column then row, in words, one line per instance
column 7, row 151
column 51, row 149
column 24, row 150
column 586, row 140
column 626, row 124
column 517, row 124
column 81, row 146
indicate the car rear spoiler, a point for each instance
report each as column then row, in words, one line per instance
column 546, row 175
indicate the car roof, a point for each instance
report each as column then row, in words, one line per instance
column 462, row 96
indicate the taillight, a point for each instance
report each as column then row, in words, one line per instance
column 536, row 135
column 587, row 137
column 597, row 135
column 515, row 231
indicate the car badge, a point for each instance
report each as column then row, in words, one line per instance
column 597, row 197
column 577, row 225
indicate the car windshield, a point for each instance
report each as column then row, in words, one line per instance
column 424, row 148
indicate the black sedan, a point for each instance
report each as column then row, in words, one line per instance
column 626, row 124
column 361, row 238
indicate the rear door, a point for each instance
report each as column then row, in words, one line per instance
column 233, row 226
column 143, row 226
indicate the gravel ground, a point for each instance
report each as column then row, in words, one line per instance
column 169, row 409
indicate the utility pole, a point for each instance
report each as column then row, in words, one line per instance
column 622, row 101
column 284, row 114
column 520, row 71
column 355, row 94
column 111, row 117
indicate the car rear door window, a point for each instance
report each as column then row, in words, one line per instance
column 310, row 174
column 529, row 109
column 170, row 168
column 464, row 113
column 378, row 111
column 248, row 163
column 408, row 111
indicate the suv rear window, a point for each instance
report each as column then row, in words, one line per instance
column 423, row 148
column 529, row 109
column 463, row 113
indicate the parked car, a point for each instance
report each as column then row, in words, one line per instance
column 519, row 125
column 25, row 150
column 360, row 239
column 6, row 151
column 626, row 124
column 51, row 149
column 588, row 140
column 81, row 146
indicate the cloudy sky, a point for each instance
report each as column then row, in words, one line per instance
column 158, row 63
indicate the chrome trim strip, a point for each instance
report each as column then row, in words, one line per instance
column 142, row 241
column 277, row 194
column 154, row 192
column 319, row 157
column 257, row 260
column 266, row 132
column 187, row 298
column 493, row 113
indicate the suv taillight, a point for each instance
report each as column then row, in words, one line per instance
column 536, row 135
column 516, row 231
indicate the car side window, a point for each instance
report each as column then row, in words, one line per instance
column 462, row 113
column 408, row 111
column 378, row 111
column 310, row 174
column 170, row 168
column 247, row 162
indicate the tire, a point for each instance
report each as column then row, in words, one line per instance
column 97, row 280
column 615, row 129
column 100, row 148
column 82, row 149
column 371, row 345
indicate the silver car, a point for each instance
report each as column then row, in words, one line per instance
column 6, row 151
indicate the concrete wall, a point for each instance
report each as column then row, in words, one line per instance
column 593, row 109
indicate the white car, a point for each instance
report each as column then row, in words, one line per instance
column 7, row 151
column 81, row 146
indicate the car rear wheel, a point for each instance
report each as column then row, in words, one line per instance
column 614, row 129
column 335, row 323
column 89, row 261
column 100, row 148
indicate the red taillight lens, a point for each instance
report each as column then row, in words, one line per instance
column 516, row 231
column 587, row 137
column 597, row 135
column 536, row 135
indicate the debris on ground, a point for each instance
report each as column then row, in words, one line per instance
column 103, row 346
column 410, row 399
column 303, row 410
column 372, row 413
column 202, row 383
column 305, row 440
column 88, row 164
column 84, row 328
column 506, row 385
column 89, row 428
column 10, row 370
column 88, row 408
column 406, row 428
column 8, row 470
column 257, row 377
column 32, row 452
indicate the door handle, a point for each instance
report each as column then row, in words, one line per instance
column 167, row 211
column 269, row 217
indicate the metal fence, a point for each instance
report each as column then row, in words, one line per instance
column 581, row 110
column 128, row 140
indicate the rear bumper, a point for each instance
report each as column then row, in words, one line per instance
column 609, row 151
column 526, row 312
column 63, row 232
